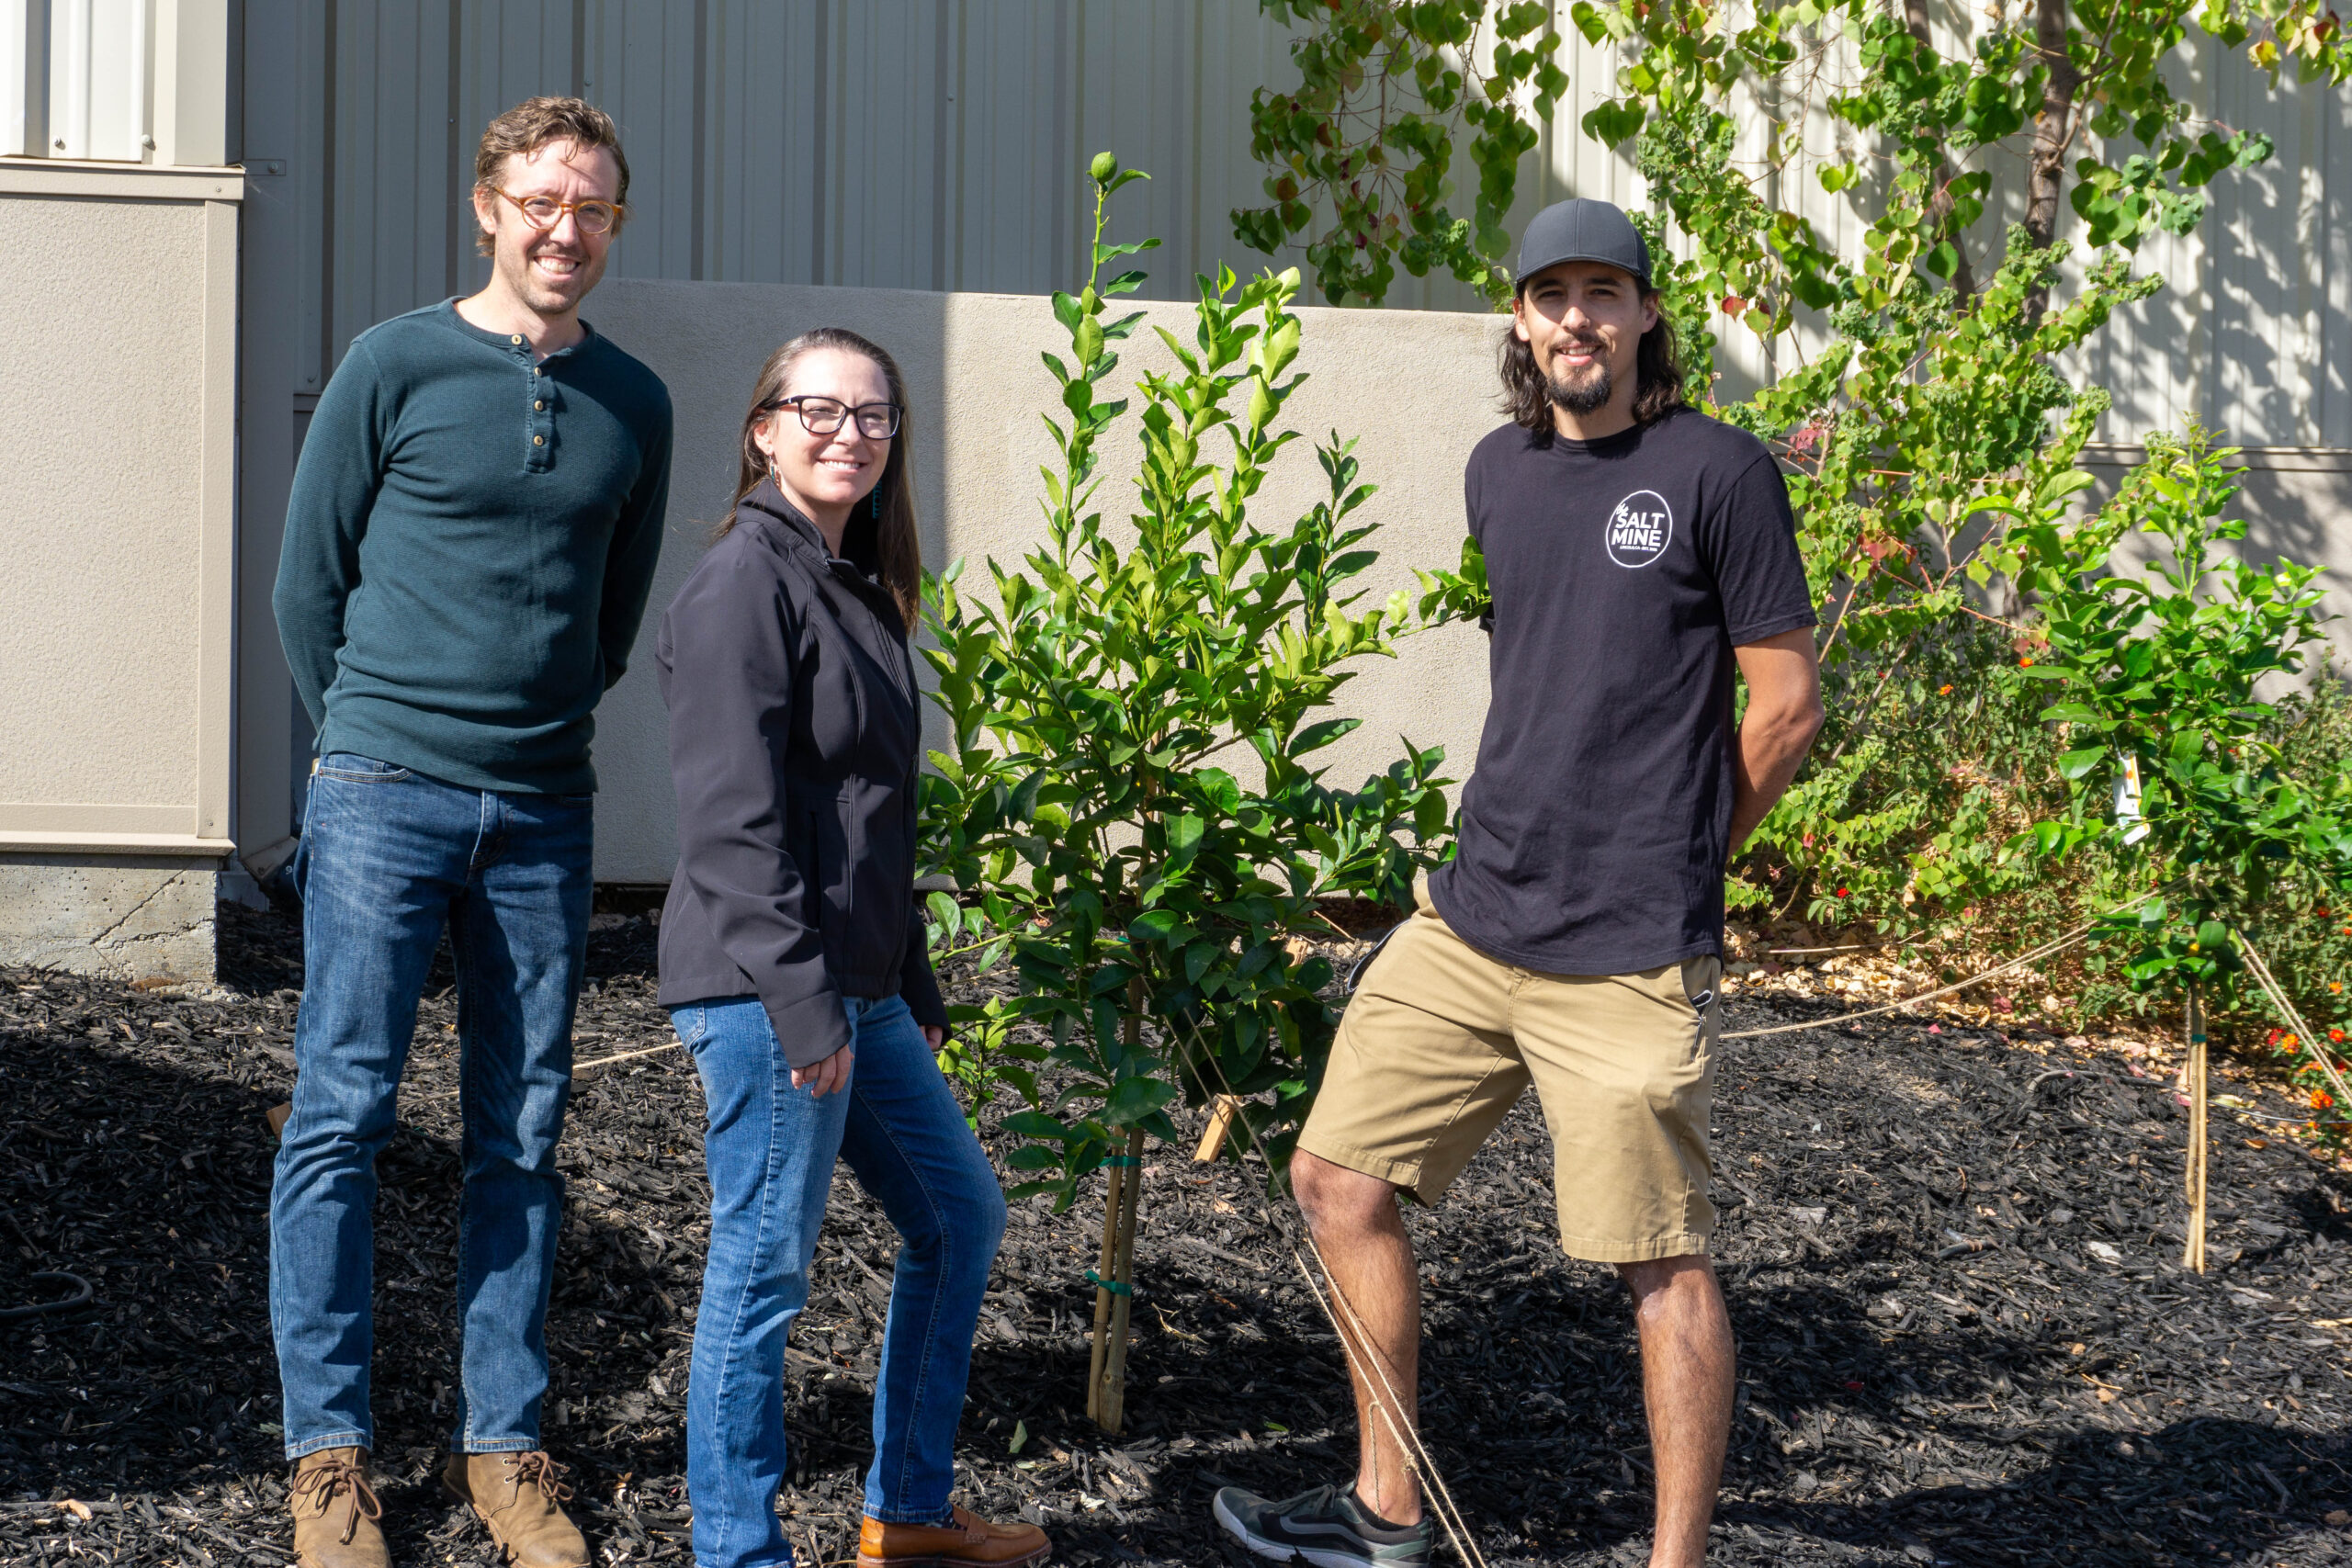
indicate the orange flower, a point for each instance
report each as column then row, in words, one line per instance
column 2026, row 663
column 1943, row 690
column 2290, row 1042
column 2322, row 1100
column 2336, row 1035
column 2335, row 985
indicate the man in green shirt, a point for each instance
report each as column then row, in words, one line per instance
column 470, row 544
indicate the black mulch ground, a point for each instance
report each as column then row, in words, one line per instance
column 2067, row 1395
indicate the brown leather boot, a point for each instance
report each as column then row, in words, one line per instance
column 336, row 1512
column 520, row 1497
column 968, row 1538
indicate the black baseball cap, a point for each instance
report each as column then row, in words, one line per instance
column 1582, row 230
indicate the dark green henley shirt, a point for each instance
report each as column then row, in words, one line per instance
column 468, row 547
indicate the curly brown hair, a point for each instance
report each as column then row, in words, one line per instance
column 540, row 122
column 1658, row 376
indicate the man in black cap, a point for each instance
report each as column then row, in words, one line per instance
column 1639, row 554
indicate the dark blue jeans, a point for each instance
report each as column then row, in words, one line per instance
column 770, row 1149
column 388, row 858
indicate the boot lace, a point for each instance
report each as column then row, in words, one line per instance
column 322, row 1483
column 539, row 1469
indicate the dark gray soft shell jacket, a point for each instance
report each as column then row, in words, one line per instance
column 795, row 733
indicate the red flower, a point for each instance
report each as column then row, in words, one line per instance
column 1843, row 891
column 2026, row 663
column 2336, row 1035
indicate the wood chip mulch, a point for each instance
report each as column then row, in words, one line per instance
column 1950, row 1262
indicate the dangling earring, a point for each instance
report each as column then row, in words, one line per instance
column 878, row 503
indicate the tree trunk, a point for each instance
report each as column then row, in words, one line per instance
column 2053, row 135
column 1114, row 1275
column 1963, row 277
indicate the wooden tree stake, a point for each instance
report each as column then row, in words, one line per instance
column 1106, row 1379
column 1108, row 1399
column 2192, row 1254
column 1114, row 1202
column 1223, row 1108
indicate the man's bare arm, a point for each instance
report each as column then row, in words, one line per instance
column 1784, row 677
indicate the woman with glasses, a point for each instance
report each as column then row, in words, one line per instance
column 793, row 961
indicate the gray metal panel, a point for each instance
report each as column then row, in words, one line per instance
column 937, row 144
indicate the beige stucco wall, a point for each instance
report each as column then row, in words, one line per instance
column 1415, row 390
column 117, row 314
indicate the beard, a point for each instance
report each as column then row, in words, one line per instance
column 550, row 296
column 1582, row 394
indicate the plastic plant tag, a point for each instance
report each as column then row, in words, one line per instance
column 2129, row 813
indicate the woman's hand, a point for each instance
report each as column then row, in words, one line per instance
column 934, row 1036
column 826, row 1076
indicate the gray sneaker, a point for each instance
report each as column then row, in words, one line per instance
column 1326, row 1527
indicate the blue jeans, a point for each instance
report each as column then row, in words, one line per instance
column 387, row 858
column 770, row 1151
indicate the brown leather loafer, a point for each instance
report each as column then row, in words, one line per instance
column 520, row 1497
column 336, row 1512
column 966, row 1539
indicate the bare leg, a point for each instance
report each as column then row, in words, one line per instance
column 1687, row 1381
column 1363, row 1240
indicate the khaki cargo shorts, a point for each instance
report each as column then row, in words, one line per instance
column 1440, row 1040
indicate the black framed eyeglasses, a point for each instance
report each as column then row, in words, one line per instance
column 823, row 416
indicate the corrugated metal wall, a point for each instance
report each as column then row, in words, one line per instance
column 933, row 144
column 937, row 144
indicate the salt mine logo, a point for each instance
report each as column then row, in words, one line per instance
column 1640, row 529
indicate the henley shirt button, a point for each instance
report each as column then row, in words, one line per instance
column 539, row 440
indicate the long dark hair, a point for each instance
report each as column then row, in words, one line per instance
column 897, row 546
column 1658, row 376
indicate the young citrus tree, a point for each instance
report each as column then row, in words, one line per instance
column 1130, row 800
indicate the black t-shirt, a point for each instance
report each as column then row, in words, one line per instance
column 1624, row 572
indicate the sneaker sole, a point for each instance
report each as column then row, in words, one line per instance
column 1281, row 1552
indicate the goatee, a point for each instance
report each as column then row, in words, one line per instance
column 1586, row 396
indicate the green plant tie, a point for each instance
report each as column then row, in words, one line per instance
column 1113, row 1286
column 1128, row 1160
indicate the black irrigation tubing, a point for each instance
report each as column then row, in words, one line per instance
column 82, row 1293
